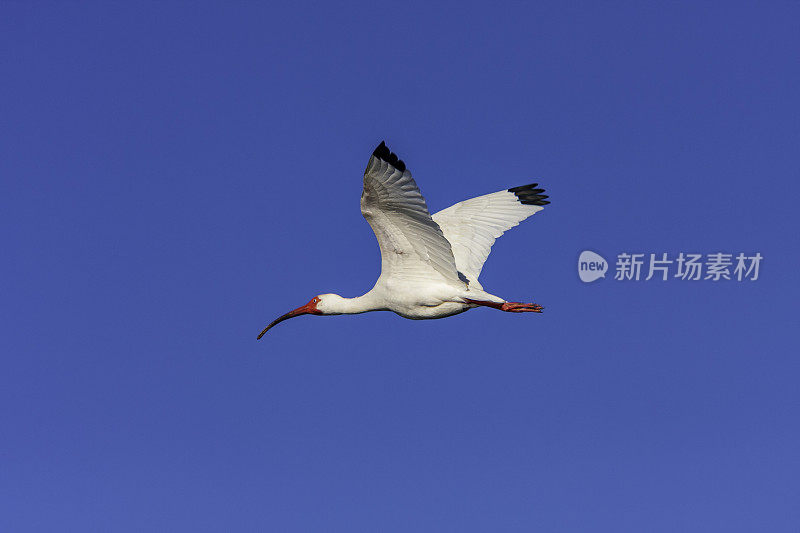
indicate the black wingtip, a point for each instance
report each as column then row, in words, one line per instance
column 530, row 195
column 383, row 153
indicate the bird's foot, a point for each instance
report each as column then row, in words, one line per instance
column 517, row 307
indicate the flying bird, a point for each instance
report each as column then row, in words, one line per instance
column 430, row 264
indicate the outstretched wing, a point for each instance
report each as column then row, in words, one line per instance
column 473, row 225
column 412, row 244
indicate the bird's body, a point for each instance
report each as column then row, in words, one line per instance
column 414, row 300
column 429, row 264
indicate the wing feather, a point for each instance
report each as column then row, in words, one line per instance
column 473, row 225
column 412, row 244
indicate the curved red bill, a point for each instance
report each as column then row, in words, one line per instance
column 309, row 308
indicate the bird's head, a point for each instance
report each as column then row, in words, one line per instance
column 322, row 304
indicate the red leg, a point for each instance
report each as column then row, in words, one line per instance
column 510, row 307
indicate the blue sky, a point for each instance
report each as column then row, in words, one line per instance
column 173, row 176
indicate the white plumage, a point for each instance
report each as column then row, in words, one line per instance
column 429, row 264
column 473, row 225
column 411, row 243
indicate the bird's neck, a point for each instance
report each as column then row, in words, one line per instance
column 359, row 304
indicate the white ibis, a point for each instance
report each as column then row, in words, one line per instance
column 429, row 264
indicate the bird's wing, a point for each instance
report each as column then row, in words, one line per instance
column 412, row 244
column 473, row 225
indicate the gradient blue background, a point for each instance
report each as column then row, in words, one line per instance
column 175, row 175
